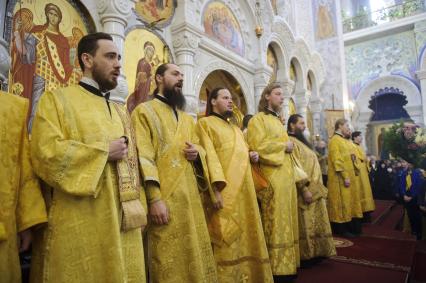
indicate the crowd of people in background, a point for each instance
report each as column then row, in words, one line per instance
column 397, row 179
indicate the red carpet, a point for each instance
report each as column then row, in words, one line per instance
column 383, row 207
column 381, row 255
column 396, row 254
column 419, row 266
column 331, row 271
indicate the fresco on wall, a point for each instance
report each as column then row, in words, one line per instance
column 309, row 83
column 272, row 61
column 390, row 55
column 324, row 12
column 144, row 51
column 159, row 12
column 43, row 48
column 221, row 25
column 292, row 72
column 274, row 6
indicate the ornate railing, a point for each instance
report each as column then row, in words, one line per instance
column 365, row 19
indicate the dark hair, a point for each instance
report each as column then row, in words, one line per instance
column 246, row 120
column 293, row 120
column 212, row 95
column 355, row 134
column 160, row 72
column 298, row 135
column 89, row 44
column 263, row 103
column 339, row 123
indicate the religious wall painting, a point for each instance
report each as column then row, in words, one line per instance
column 155, row 12
column 144, row 51
column 43, row 47
column 293, row 74
column 221, row 25
column 274, row 6
column 291, row 108
column 309, row 85
column 272, row 61
column 324, row 19
column 331, row 116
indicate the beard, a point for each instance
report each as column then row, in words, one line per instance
column 320, row 150
column 301, row 137
column 100, row 78
column 276, row 108
column 228, row 114
column 174, row 96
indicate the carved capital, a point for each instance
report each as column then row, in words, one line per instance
column 288, row 86
column 301, row 98
column 185, row 40
column 261, row 77
column 115, row 10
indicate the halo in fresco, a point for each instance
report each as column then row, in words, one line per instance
column 144, row 51
column 221, row 25
column 156, row 11
column 43, row 48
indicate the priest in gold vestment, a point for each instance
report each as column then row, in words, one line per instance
column 83, row 149
column 343, row 186
column 315, row 237
column 22, row 205
column 178, row 245
column 266, row 135
column 367, row 201
column 234, row 221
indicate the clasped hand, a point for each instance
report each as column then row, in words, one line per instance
column 190, row 151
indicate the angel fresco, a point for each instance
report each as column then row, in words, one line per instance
column 43, row 58
column 155, row 11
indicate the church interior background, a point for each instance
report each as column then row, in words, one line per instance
column 359, row 59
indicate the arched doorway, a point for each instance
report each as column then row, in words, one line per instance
column 382, row 102
column 388, row 107
column 221, row 78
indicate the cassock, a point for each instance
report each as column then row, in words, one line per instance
column 236, row 230
column 315, row 237
column 366, row 197
column 22, row 205
column 86, row 239
column 179, row 251
column 266, row 135
column 343, row 203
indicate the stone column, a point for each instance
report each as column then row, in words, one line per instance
column 288, row 87
column 4, row 63
column 421, row 75
column 185, row 42
column 2, row 16
column 114, row 15
column 316, row 108
column 261, row 78
column 301, row 98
